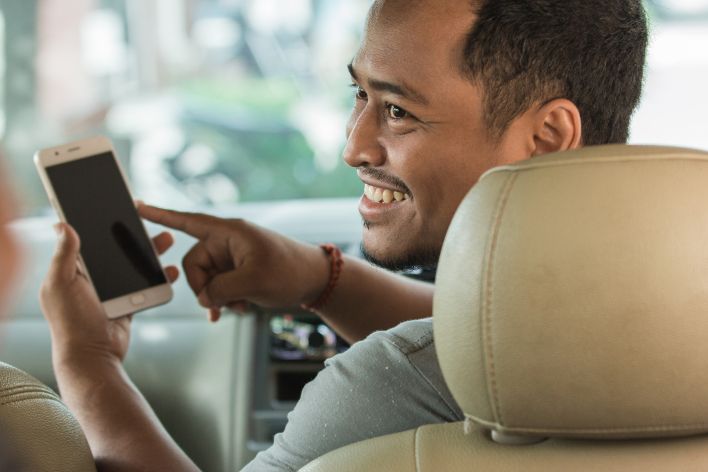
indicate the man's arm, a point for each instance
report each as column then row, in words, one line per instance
column 368, row 299
column 87, row 353
column 236, row 262
column 122, row 430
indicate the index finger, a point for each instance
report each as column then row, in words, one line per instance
column 194, row 224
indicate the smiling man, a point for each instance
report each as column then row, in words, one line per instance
column 444, row 90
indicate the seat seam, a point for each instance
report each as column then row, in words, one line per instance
column 415, row 447
column 487, row 319
column 24, row 399
column 589, row 161
column 22, row 386
column 27, row 391
column 610, row 430
column 545, row 430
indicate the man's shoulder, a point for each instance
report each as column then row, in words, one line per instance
column 384, row 384
column 410, row 347
column 410, row 337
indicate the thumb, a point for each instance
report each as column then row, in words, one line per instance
column 63, row 265
column 224, row 289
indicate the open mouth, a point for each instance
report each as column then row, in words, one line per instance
column 381, row 195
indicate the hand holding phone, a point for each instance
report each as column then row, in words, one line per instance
column 88, row 190
column 80, row 333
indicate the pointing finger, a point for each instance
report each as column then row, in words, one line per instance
column 197, row 225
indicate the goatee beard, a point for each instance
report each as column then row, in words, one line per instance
column 421, row 260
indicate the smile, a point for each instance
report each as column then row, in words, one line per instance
column 380, row 195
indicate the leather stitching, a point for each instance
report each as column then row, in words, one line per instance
column 30, row 398
column 416, row 448
column 30, row 387
column 21, row 393
column 611, row 430
column 702, row 157
column 627, row 429
column 488, row 292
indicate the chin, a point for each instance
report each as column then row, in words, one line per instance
column 399, row 257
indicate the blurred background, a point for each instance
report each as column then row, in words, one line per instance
column 214, row 102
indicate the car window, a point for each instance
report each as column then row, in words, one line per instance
column 672, row 110
column 209, row 102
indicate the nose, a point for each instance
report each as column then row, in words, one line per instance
column 363, row 148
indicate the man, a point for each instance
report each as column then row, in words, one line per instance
column 445, row 89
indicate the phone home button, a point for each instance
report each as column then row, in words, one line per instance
column 138, row 299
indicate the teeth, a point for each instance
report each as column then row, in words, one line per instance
column 380, row 195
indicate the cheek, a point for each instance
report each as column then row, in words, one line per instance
column 445, row 186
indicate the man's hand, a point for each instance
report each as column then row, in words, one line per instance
column 235, row 262
column 87, row 352
column 79, row 327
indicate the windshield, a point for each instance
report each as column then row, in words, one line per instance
column 215, row 102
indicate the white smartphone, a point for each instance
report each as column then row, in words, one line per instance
column 88, row 190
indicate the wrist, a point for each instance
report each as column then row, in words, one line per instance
column 334, row 261
column 85, row 362
column 317, row 273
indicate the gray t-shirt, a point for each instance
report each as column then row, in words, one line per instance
column 387, row 383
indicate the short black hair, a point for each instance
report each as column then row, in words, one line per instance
column 592, row 53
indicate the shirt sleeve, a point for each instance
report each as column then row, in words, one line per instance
column 387, row 383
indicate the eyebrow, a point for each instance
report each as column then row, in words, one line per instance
column 383, row 86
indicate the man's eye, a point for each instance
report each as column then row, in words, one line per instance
column 360, row 93
column 396, row 112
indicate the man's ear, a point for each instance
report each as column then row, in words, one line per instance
column 557, row 127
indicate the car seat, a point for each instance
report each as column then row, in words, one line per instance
column 571, row 321
column 38, row 428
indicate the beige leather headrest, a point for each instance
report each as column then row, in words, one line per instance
column 572, row 295
column 42, row 433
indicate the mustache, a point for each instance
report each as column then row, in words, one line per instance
column 388, row 179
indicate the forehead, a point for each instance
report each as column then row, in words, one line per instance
column 422, row 39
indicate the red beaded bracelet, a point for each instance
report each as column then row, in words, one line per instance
column 334, row 254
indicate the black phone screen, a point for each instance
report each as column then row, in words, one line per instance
column 114, row 246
